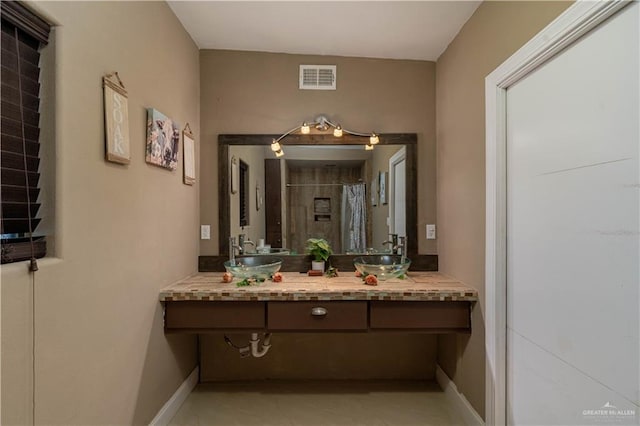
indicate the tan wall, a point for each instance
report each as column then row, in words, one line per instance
column 492, row 34
column 122, row 232
column 254, row 157
column 249, row 92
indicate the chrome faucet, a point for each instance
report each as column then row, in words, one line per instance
column 393, row 242
column 251, row 243
column 400, row 248
column 232, row 250
column 242, row 241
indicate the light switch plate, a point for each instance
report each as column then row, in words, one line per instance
column 431, row 232
column 205, row 232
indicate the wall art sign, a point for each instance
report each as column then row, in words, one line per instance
column 234, row 175
column 116, row 119
column 163, row 140
column 374, row 191
column 384, row 180
column 258, row 197
column 189, row 155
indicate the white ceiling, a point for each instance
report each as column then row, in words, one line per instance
column 376, row 29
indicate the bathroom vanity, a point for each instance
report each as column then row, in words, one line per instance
column 425, row 302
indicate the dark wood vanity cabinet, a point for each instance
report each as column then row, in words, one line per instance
column 318, row 316
column 198, row 316
column 420, row 316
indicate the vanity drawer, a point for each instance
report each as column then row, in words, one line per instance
column 321, row 316
column 214, row 315
column 420, row 315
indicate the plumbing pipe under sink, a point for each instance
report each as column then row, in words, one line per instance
column 266, row 345
column 253, row 348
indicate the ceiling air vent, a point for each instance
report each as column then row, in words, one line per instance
column 318, row 77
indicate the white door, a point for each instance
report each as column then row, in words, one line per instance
column 397, row 180
column 573, row 236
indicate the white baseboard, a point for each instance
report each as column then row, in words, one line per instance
column 171, row 407
column 457, row 400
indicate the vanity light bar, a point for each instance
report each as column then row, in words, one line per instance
column 322, row 123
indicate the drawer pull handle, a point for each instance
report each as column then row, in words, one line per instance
column 318, row 312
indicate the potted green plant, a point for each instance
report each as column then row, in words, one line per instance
column 320, row 249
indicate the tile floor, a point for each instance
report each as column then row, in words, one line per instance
column 330, row 403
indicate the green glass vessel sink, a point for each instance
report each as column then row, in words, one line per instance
column 385, row 267
column 260, row 267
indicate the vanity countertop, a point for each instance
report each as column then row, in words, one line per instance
column 416, row 286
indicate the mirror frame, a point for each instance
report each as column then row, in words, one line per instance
column 410, row 140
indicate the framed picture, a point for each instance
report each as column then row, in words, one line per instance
column 258, row 197
column 374, row 191
column 189, row 156
column 234, row 175
column 163, row 140
column 116, row 120
column 384, row 179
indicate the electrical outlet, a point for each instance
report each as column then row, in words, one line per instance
column 205, row 232
column 431, row 232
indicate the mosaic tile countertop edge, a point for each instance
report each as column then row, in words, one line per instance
column 417, row 286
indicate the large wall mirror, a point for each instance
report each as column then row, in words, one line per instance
column 323, row 187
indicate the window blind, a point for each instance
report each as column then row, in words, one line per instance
column 22, row 35
column 244, row 194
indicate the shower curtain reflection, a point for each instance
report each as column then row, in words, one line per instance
column 354, row 218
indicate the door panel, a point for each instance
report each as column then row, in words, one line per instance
column 273, row 202
column 397, row 184
column 573, row 250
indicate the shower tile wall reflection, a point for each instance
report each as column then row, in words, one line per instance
column 314, row 186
